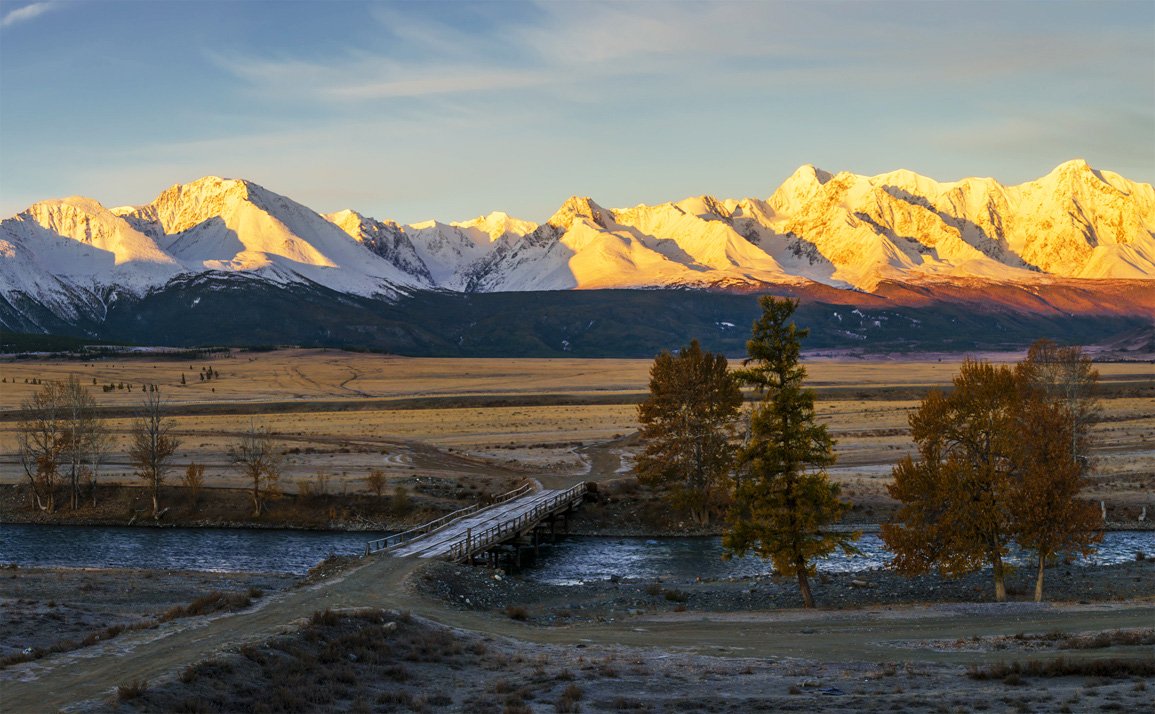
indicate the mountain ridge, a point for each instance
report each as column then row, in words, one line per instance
column 898, row 235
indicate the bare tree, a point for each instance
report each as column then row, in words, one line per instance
column 257, row 456
column 1065, row 376
column 101, row 445
column 84, row 436
column 42, row 438
column 152, row 446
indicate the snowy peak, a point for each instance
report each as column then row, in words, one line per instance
column 842, row 230
column 580, row 208
column 498, row 225
column 99, row 233
column 385, row 239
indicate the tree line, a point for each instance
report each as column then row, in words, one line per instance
column 1001, row 458
column 63, row 441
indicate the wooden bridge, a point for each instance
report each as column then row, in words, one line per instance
column 517, row 519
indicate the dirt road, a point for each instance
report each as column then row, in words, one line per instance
column 868, row 635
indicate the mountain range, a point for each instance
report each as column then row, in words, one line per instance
column 1077, row 243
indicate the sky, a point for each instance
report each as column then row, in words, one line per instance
column 450, row 110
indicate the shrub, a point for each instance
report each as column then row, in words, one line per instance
column 376, row 481
column 568, row 702
column 400, row 504
column 132, row 690
column 1061, row 667
column 214, row 601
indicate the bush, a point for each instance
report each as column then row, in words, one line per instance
column 568, row 702
column 1061, row 667
column 132, row 690
column 400, row 504
column 214, row 601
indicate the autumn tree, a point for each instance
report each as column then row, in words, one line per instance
column 257, row 456
column 1047, row 514
column 1058, row 387
column 687, row 428
column 999, row 461
column 955, row 514
column 152, row 446
column 783, row 500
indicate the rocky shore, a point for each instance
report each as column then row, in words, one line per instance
column 479, row 588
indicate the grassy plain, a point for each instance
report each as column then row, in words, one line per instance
column 484, row 423
column 477, row 421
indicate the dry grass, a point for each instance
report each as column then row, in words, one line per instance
column 359, row 661
column 1114, row 667
column 347, row 414
column 215, row 601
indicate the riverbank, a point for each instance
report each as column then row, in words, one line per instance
column 121, row 505
column 361, row 635
column 625, row 599
column 622, row 508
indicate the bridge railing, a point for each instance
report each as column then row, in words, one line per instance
column 389, row 542
column 472, row 542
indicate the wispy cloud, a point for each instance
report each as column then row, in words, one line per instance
column 573, row 51
column 28, row 12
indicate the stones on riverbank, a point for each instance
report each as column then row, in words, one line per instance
column 617, row 598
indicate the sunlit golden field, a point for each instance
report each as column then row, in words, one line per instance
column 342, row 414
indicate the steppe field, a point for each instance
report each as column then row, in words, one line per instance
column 383, row 634
column 487, row 422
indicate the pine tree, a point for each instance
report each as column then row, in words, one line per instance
column 783, row 499
column 687, row 426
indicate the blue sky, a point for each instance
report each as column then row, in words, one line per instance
column 413, row 111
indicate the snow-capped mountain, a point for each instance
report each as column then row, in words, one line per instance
column 69, row 258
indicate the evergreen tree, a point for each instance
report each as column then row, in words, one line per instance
column 687, row 426
column 783, row 499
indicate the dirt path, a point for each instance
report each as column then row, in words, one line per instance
column 868, row 635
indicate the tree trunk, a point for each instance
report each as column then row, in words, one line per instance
column 256, row 501
column 1039, row 579
column 37, row 504
column 155, row 499
column 74, row 489
column 804, row 586
column 1000, row 586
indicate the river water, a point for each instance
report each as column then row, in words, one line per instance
column 211, row 549
column 570, row 561
column 578, row 559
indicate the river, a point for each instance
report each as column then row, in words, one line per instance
column 582, row 559
column 573, row 560
column 211, row 549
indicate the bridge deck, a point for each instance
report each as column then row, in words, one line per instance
column 488, row 526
